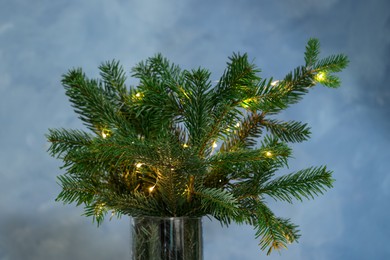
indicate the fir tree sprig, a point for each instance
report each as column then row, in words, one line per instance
column 177, row 145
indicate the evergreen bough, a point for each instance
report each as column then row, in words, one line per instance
column 178, row 145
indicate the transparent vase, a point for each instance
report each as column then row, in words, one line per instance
column 171, row 238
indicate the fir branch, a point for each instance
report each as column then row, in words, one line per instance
column 159, row 68
column 305, row 183
column 290, row 131
column 312, row 52
column 245, row 134
column 235, row 85
column 75, row 189
column 324, row 68
column 196, row 105
column 160, row 83
column 277, row 150
column 171, row 187
column 274, row 232
column 296, row 84
column 236, row 165
column 237, row 81
column 219, row 203
column 114, row 79
column 135, row 204
column 93, row 103
column 248, row 180
column 63, row 140
column 275, row 98
column 82, row 161
column 332, row 63
column 97, row 210
column 120, row 151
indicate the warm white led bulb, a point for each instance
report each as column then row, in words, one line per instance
column 138, row 96
column 321, row 76
column 138, row 165
column 274, row 83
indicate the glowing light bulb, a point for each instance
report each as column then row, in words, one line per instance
column 138, row 95
column 151, row 188
column 321, row 76
column 244, row 105
column 105, row 133
column 138, row 165
column 215, row 145
column 100, row 208
column 268, row 154
column 247, row 102
column 274, row 83
column 238, row 124
column 185, row 145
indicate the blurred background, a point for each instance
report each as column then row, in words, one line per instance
column 40, row 40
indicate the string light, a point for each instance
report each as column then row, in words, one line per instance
column 184, row 92
column 244, row 104
column 274, row 83
column 320, row 77
column 213, row 146
column 268, row 154
column 105, row 133
column 185, row 145
column 138, row 95
column 247, row 102
column 99, row 209
column 151, row 188
column 138, row 165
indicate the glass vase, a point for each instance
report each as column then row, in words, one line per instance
column 166, row 238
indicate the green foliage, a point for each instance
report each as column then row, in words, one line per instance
column 303, row 184
column 291, row 131
column 177, row 145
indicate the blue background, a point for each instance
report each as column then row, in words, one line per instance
column 40, row 40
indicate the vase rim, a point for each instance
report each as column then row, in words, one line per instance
column 157, row 217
